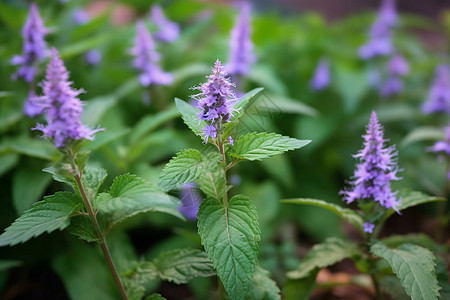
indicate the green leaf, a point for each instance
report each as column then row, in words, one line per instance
column 155, row 296
column 92, row 179
column 186, row 166
column 61, row 175
column 130, row 195
column 8, row 264
column 345, row 213
column 181, row 265
column 262, row 287
column 412, row 198
column 212, row 180
column 189, row 115
column 425, row 133
column 256, row 146
column 149, row 123
column 240, row 107
column 7, row 161
column 392, row 286
column 287, row 105
column 81, row 227
column 34, row 147
column 351, row 85
column 419, row 239
column 28, row 186
column 414, row 266
column 331, row 251
column 45, row 216
column 230, row 235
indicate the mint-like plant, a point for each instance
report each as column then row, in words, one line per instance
column 88, row 214
column 370, row 189
column 228, row 226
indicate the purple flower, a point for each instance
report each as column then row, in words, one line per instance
column 167, row 31
column 392, row 86
column 368, row 227
column 216, row 100
column 93, row 57
column 190, row 201
column 380, row 33
column 147, row 58
column 62, row 107
column 439, row 95
column 241, row 53
column 80, row 16
column 321, row 78
column 398, row 66
column 442, row 146
column 34, row 47
column 375, row 170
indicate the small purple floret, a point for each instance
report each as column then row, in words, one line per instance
column 93, row 57
column 80, row 16
column 62, row 106
column 368, row 227
column 439, row 95
column 321, row 78
column 146, row 59
column 216, row 100
column 442, row 146
column 376, row 168
column 168, row 31
column 34, row 46
column 241, row 54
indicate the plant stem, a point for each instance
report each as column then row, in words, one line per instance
column 442, row 213
column 101, row 237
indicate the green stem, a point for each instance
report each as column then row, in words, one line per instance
column 442, row 214
column 100, row 236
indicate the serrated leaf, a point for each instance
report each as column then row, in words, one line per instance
column 392, row 286
column 417, row 239
column 262, row 287
column 92, row 179
column 212, row 180
column 331, row 251
column 256, row 146
column 181, row 265
column 45, row 216
column 136, row 279
column 230, row 235
column 345, row 213
column 412, row 198
column 186, row 166
column 190, row 117
column 81, row 227
column 414, row 266
column 239, row 108
column 130, row 195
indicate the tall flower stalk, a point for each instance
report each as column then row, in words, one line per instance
column 34, row 51
column 439, row 94
column 63, row 112
column 168, row 31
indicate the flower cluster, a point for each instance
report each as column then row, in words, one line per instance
column 146, row 59
column 376, row 169
column 216, row 101
column 397, row 68
column 34, row 47
column 62, row 107
column 168, row 31
column 380, row 33
column 241, row 54
column 321, row 78
column 439, row 95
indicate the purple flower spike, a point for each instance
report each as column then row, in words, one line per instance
column 439, row 95
column 368, row 227
column 190, row 201
column 392, row 86
column 34, row 47
column 380, row 33
column 216, row 99
column 321, row 77
column 241, row 54
column 168, row 31
column 62, row 107
column 93, row 57
column 147, row 58
column 375, row 170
